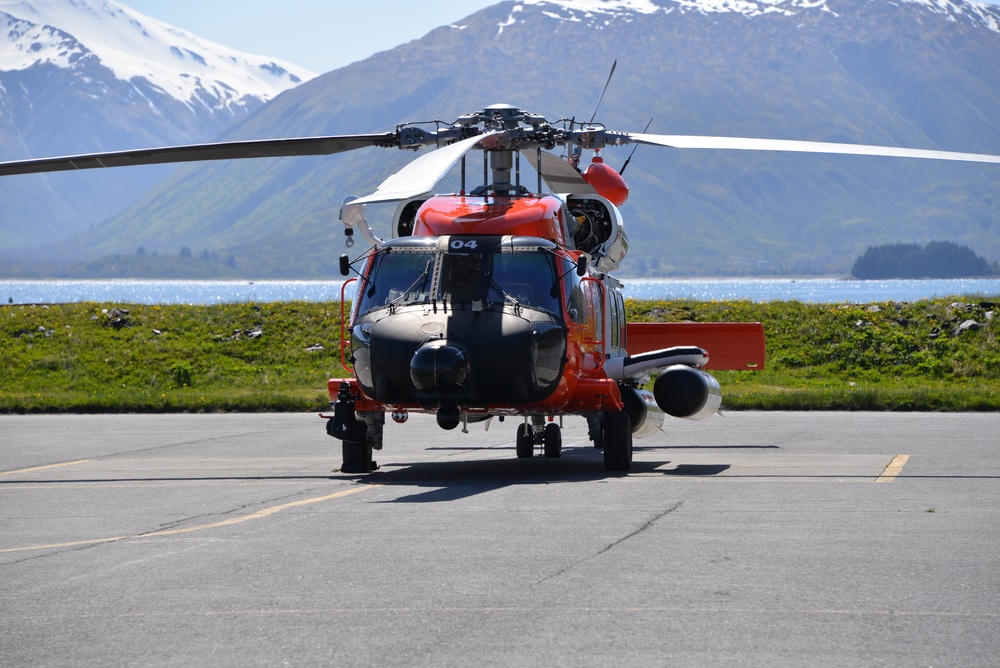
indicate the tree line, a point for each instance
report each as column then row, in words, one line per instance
column 938, row 259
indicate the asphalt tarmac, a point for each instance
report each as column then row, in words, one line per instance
column 757, row 539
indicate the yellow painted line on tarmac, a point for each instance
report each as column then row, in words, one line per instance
column 201, row 527
column 48, row 466
column 893, row 469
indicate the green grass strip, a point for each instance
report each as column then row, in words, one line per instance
column 113, row 358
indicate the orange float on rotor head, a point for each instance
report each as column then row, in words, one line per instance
column 608, row 183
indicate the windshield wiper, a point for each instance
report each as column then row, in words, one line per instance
column 421, row 279
column 506, row 296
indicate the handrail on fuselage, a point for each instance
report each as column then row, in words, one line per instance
column 343, row 342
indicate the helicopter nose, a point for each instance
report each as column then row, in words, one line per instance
column 438, row 367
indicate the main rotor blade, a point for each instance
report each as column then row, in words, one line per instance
column 560, row 175
column 420, row 176
column 606, row 84
column 262, row 148
column 748, row 144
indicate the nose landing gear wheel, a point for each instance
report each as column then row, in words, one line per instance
column 552, row 438
column 525, row 443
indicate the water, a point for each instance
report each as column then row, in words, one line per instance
column 816, row 290
column 131, row 291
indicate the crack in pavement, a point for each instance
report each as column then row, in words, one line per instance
column 653, row 520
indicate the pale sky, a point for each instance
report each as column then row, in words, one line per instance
column 320, row 35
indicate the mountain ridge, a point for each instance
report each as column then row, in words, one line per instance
column 911, row 73
column 984, row 14
column 192, row 70
column 92, row 75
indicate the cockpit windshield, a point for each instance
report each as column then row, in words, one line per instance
column 402, row 278
column 529, row 278
column 464, row 280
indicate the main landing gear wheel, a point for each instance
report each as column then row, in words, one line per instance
column 617, row 441
column 552, row 438
column 357, row 457
column 525, row 443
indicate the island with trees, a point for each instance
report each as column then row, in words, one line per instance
column 938, row 259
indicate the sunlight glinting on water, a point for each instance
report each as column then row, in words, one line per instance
column 816, row 290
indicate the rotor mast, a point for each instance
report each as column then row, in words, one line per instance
column 502, row 157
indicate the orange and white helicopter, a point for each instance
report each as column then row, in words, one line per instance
column 498, row 301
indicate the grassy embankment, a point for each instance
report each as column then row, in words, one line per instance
column 77, row 358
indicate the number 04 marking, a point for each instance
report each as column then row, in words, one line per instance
column 458, row 244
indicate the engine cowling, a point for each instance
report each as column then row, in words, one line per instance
column 645, row 416
column 685, row 392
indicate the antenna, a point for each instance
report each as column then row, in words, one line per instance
column 629, row 158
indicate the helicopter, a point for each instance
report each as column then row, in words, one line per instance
column 499, row 301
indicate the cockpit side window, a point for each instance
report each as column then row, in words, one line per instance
column 576, row 300
column 399, row 277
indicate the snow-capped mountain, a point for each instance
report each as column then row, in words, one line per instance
column 596, row 12
column 95, row 75
column 916, row 73
column 133, row 46
column 895, row 72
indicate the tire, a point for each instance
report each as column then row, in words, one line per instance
column 525, row 443
column 617, row 441
column 552, row 438
column 357, row 457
